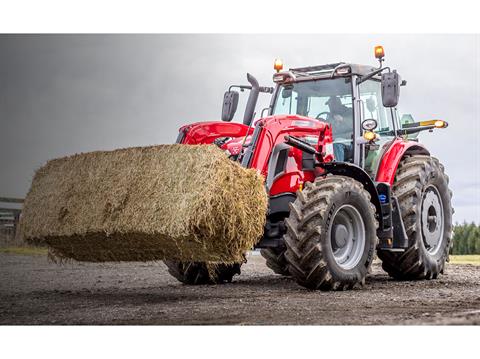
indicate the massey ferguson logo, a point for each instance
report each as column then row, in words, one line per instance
column 302, row 123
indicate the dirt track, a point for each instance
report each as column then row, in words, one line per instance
column 34, row 291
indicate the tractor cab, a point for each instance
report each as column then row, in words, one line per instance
column 357, row 101
column 349, row 98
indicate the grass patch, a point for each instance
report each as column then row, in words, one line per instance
column 466, row 259
column 26, row 251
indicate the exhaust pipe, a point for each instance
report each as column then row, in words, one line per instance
column 252, row 100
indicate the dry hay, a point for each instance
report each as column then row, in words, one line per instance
column 180, row 202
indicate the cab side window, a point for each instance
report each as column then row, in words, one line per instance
column 371, row 96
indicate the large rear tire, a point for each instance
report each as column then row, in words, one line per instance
column 275, row 260
column 331, row 234
column 421, row 187
column 196, row 273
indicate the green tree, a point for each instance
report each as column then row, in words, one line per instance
column 470, row 240
column 475, row 241
column 458, row 231
column 466, row 238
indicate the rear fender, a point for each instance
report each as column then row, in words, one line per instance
column 392, row 157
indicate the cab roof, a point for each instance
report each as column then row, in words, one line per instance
column 319, row 70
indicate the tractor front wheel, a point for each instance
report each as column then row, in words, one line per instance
column 195, row 273
column 275, row 260
column 421, row 187
column 331, row 234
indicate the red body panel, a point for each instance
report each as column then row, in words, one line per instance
column 274, row 130
column 390, row 160
column 207, row 132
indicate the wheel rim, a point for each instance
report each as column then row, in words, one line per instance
column 347, row 236
column 432, row 220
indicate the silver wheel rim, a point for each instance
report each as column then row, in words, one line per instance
column 432, row 220
column 347, row 236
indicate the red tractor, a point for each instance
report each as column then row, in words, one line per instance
column 345, row 175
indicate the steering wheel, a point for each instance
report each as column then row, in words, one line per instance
column 322, row 113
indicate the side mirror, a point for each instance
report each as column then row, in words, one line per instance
column 230, row 103
column 390, row 88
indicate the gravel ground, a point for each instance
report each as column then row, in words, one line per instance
column 35, row 291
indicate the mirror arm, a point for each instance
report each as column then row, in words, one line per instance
column 263, row 89
column 241, row 87
column 371, row 74
column 266, row 89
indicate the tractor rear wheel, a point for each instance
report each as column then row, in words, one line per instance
column 275, row 260
column 421, row 187
column 331, row 234
column 202, row 273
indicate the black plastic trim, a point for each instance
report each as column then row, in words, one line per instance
column 247, row 157
column 400, row 238
column 359, row 174
column 181, row 136
column 280, row 203
column 277, row 163
column 385, row 228
column 308, row 161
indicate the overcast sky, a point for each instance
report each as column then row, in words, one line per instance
column 64, row 94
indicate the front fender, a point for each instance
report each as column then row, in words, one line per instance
column 359, row 174
column 391, row 158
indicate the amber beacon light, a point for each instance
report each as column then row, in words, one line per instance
column 278, row 65
column 379, row 52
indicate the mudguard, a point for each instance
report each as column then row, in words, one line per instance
column 357, row 173
column 391, row 158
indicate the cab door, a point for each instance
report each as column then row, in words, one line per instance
column 370, row 94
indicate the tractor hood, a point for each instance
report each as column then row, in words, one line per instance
column 207, row 132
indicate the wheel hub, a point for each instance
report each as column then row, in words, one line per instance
column 432, row 220
column 347, row 236
column 341, row 235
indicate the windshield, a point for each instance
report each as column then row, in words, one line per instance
column 329, row 100
column 310, row 98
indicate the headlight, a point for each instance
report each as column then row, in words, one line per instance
column 369, row 136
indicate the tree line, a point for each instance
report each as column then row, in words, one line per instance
column 466, row 239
